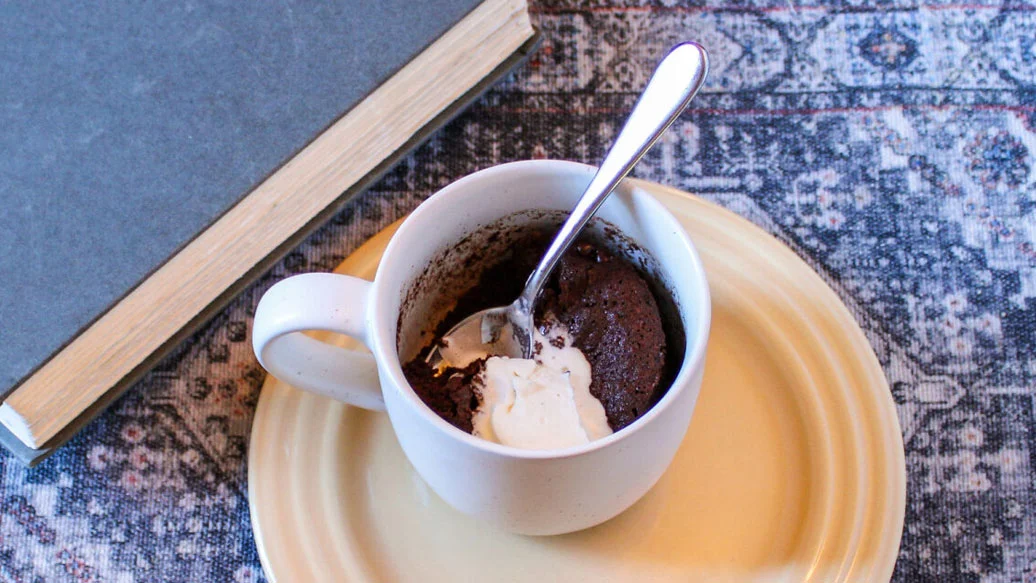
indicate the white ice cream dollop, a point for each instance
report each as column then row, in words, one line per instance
column 543, row 402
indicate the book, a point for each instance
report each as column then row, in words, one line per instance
column 159, row 158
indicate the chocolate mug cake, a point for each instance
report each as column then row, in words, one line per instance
column 597, row 308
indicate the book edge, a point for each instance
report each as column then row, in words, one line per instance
column 12, row 421
column 503, row 24
column 272, row 213
column 15, row 435
column 4, row 393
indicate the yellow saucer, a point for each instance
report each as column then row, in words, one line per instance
column 792, row 469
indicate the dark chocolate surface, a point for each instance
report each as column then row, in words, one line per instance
column 451, row 395
column 614, row 320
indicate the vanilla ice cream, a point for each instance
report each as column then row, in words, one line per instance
column 540, row 403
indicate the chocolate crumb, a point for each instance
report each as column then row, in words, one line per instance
column 451, row 394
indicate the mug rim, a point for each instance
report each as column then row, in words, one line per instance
column 383, row 343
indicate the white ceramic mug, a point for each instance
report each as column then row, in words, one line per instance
column 523, row 491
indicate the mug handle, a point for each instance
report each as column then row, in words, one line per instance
column 318, row 301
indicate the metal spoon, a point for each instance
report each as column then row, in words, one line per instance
column 508, row 330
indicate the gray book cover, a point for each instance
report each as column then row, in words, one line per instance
column 126, row 128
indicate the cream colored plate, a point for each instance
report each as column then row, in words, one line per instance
column 792, row 469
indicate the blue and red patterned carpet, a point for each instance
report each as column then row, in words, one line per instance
column 891, row 145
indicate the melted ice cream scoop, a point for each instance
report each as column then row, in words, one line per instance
column 542, row 402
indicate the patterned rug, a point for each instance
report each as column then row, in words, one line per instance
column 890, row 145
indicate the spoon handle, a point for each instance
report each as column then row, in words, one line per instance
column 676, row 79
